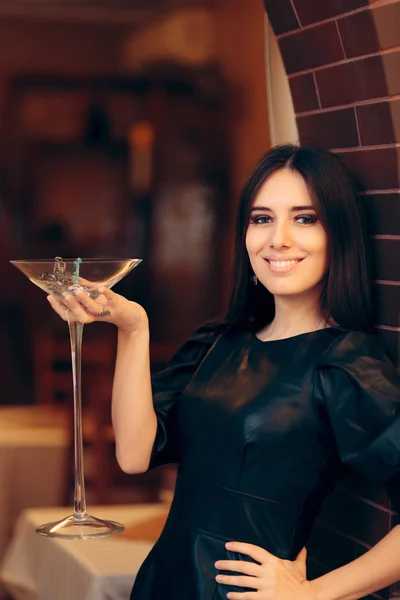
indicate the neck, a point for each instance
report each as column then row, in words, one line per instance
column 294, row 315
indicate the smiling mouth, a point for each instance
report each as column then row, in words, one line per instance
column 282, row 265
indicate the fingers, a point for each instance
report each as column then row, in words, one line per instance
column 302, row 555
column 107, row 306
column 243, row 596
column 240, row 566
column 93, row 307
column 77, row 312
column 258, row 554
column 80, row 307
column 300, row 564
column 70, row 309
column 58, row 307
column 109, row 295
column 240, row 581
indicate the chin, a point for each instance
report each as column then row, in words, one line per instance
column 277, row 292
column 287, row 290
column 276, row 288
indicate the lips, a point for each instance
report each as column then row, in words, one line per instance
column 282, row 266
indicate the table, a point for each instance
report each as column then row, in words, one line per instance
column 33, row 452
column 38, row 568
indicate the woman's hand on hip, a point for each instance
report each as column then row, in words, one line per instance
column 108, row 306
column 269, row 578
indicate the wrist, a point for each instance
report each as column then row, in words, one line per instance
column 133, row 332
column 319, row 590
column 139, row 328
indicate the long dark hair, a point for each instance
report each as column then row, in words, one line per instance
column 346, row 295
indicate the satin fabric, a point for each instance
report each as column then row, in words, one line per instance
column 261, row 432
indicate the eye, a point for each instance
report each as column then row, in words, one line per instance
column 306, row 219
column 260, row 219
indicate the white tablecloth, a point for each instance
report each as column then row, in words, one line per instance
column 33, row 451
column 38, row 568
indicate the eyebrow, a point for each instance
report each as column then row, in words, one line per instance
column 292, row 208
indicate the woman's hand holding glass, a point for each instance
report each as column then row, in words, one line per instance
column 108, row 306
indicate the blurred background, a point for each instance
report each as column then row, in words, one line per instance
column 127, row 129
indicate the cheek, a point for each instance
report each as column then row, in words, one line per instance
column 251, row 250
column 318, row 246
column 324, row 250
column 248, row 242
column 323, row 261
column 254, row 241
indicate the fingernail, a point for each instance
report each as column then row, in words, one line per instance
column 228, row 545
column 217, row 564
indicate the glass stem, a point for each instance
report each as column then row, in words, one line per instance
column 75, row 334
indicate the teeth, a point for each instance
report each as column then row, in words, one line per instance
column 283, row 263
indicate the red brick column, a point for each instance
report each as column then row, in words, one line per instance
column 343, row 62
column 342, row 58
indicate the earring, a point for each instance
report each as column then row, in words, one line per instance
column 254, row 279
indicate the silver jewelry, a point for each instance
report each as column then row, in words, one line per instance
column 104, row 313
column 254, row 279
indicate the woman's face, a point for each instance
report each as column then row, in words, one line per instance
column 286, row 243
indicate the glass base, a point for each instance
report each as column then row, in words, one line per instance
column 80, row 527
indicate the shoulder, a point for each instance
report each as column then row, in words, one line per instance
column 349, row 347
column 189, row 355
column 360, row 359
column 209, row 331
column 201, row 340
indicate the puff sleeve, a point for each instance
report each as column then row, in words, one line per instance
column 359, row 390
column 168, row 385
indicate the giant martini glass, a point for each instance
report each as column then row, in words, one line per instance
column 60, row 277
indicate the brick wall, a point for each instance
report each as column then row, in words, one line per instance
column 342, row 58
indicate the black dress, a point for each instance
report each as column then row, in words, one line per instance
column 261, row 431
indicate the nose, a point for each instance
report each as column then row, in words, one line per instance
column 280, row 235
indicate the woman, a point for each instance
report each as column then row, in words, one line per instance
column 261, row 412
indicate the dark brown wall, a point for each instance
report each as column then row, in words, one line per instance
column 37, row 47
column 343, row 62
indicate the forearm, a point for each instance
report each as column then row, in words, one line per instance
column 373, row 571
column 133, row 415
